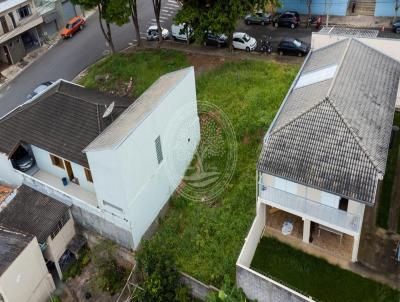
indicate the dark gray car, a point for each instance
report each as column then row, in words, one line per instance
column 396, row 26
column 258, row 18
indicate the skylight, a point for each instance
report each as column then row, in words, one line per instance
column 313, row 77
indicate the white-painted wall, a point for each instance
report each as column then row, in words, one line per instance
column 44, row 163
column 131, row 178
column 7, row 172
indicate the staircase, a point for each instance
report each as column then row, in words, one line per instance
column 362, row 8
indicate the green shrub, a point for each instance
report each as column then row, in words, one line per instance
column 161, row 277
column 229, row 293
column 75, row 269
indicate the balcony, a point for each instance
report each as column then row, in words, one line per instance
column 314, row 211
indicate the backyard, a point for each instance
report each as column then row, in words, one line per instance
column 316, row 277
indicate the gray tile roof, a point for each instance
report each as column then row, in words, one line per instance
column 11, row 245
column 63, row 121
column 32, row 212
column 334, row 135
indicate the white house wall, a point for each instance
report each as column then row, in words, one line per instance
column 7, row 172
column 130, row 176
column 44, row 163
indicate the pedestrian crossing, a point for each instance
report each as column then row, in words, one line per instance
column 168, row 10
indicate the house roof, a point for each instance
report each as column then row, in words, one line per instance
column 127, row 122
column 63, row 121
column 11, row 245
column 32, row 212
column 333, row 129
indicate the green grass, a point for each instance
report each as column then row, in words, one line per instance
column 207, row 238
column 385, row 198
column 143, row 67
column 75, row 269
column 316, row 277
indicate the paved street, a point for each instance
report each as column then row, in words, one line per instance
column 69, row 57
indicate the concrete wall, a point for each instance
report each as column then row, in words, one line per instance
column 142, row 186
column 7, row 173
column 57, row 246
column 16, row 49
column 318, row 7
column 103, row 227
column 198, row 289
column 389, row 47
column 27, row 279
column 44, row 163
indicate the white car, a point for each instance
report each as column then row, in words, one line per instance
column 178, row 32
column 243, row 41
column 152, row 33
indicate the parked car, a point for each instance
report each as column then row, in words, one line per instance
column 293, row 46
column 396, row 26
column 152, row 33
column 22, row 160
column 73, row 25
column 243, row 41
column 258, row 18
column 287, row 19
column 179, row 32
column 215, row 40
column 39, row 89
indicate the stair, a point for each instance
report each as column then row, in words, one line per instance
column 363, row 8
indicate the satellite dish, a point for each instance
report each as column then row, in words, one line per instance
column 109, row 110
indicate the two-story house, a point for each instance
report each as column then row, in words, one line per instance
column 106, row 156
column 324, row 156
column 19, row 29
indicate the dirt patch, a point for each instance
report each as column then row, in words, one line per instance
column 203, row 63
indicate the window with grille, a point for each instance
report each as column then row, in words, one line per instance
column 60, row 225
column 24, row 11
column 159, row 150
column 57, row 161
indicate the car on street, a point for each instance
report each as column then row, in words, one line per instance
column 39, row 89
column 258, row 18
column 179, row 32
column 211, row 39
column 243, row 41
column 396, row 26
column 287, row 19
column 73, row 25
column 152, row 33
column 292, row 46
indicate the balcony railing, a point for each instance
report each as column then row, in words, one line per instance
column 315, row 211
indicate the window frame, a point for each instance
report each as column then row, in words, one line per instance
column 88, row 175
column 26, row 9
column 54, row 160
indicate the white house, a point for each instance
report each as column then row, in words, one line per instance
column 109, row 158
column 323, row 159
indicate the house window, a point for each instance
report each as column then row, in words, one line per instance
column 88, row 175
column 60, row 225
column 24, row 11
column 57, row 161
column 12, row 19
column 159, row 150
column 343, row 204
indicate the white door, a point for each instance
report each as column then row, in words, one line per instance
column 238, row 43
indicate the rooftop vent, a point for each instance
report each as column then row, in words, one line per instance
column 109, row 110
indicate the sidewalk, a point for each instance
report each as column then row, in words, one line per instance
column 12, row 71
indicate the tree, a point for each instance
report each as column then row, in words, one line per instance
column 309, row 2
column 161, row 277
column 157, row 11
column 135, row 19
column 112, row 12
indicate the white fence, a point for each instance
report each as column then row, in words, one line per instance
column 255, row 285
column 70, row 200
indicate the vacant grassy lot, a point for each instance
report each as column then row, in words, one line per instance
column 388, row 181
column 207, row 237
column 316, row 277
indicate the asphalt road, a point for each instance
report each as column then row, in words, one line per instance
column 67, row 58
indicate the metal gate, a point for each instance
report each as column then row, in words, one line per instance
column 68, row 10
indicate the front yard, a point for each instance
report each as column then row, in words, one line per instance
column 316, row 277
